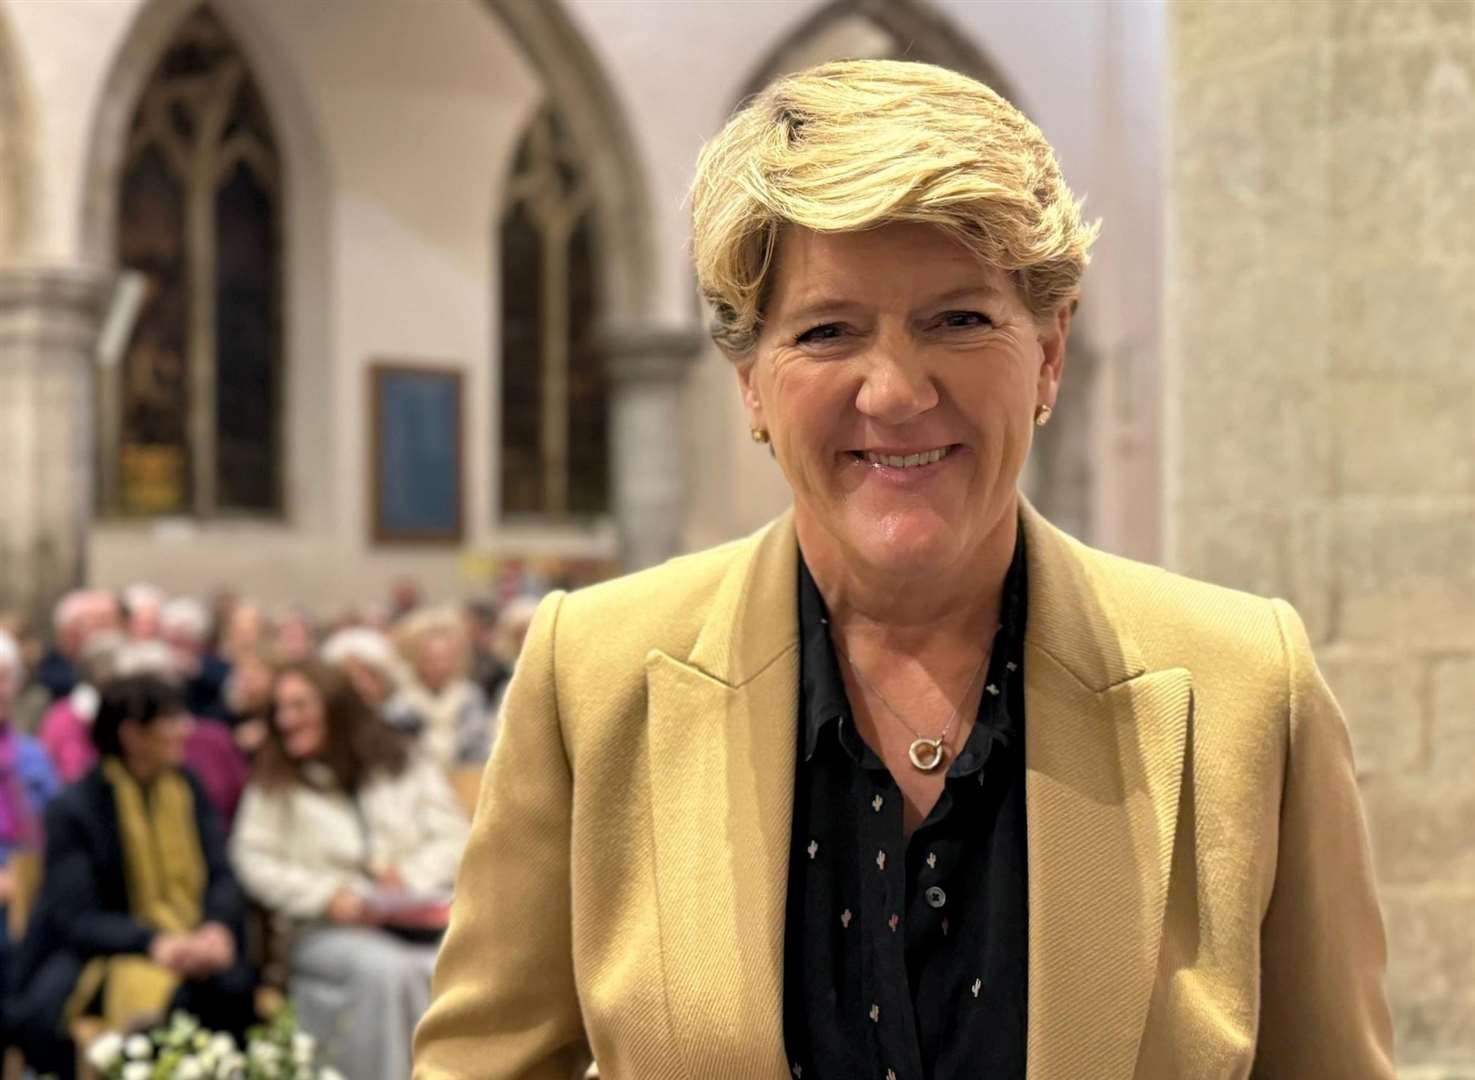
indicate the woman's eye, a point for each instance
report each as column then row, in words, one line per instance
column 823, row 332
column 965, row 320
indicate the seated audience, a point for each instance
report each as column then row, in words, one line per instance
column 369, row 661
column 27, row 784
column 210, row 750
column 139, row 912
column 458, row 728
column 356, row 839
column 295, row 636
column 32, row 699
column 142, row 605
column 508, row 634
column 248, row 699
column 244, row 630
column 184, row 625
column 79, row 615
column 487, row 671
column 66, row 728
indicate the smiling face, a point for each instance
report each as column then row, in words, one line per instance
column 301, row 716
column 898, row 378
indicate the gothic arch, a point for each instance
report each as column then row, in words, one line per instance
column 919, row 31
column 154, row 26
column 305, row 221
column 579, row 90
column 15, row 150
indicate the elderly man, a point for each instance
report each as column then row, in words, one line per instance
column 79, row 615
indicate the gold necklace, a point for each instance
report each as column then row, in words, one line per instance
column 925, row 754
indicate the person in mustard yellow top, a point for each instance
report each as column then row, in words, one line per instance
column 909, row 785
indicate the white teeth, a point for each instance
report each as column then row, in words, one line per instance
column 910, row 461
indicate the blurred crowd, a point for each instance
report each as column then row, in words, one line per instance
column 181, row 779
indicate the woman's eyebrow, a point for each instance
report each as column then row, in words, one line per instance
column 981, row 291
column 834, row 305
column 826, row 305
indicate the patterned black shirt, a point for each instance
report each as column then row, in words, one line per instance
column 907, row 959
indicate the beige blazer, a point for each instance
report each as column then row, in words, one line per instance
column 1200, row 895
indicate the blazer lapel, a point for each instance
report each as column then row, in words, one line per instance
column 722, row 751
column 1104, row 746
column 1104, row 750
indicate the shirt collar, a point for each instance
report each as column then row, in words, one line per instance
column 823, row 688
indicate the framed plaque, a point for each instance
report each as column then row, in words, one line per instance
column 416, row 459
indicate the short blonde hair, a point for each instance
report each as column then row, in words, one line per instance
column 861, row 143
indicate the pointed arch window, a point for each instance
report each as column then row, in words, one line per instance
column 197, row 399
column 554, row 407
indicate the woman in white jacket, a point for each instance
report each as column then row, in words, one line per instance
column 356, row 839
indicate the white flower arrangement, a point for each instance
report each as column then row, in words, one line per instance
column 183, row 1050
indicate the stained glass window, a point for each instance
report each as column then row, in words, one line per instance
column 554, row 407
column 199, row 390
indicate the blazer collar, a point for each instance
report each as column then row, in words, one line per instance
column 1105, row 744
column 721, row 739
column 1072, row 615
column 754, row 616
column 1104, row 753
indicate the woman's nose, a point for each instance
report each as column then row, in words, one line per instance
column 898, row 386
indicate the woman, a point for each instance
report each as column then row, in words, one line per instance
column 139, row 912
column 458, row 728
column 347, row 834
column 1039, row 810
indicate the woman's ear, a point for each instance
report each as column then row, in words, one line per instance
column 748, row 388
column 1053, row 335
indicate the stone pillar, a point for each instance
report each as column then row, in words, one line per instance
column 48, row 325
column 647, row 368
column 1320, row 410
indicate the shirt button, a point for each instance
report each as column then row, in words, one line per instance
column 936, row 897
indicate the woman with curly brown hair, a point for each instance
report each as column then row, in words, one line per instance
column 355, row 838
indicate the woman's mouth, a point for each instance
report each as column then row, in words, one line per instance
column 910, row 459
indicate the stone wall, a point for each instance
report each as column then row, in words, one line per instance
column 1320, row 410
column 48, row 321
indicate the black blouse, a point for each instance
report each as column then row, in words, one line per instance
column 907, row 959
